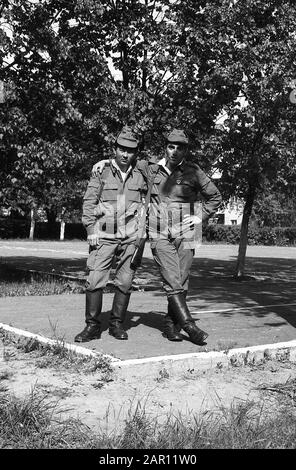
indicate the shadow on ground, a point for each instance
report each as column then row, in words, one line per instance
column 271, row 283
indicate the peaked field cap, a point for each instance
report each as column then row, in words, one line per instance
column 177, row 136
column 127, row 138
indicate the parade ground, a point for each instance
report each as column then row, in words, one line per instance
column 259, row 310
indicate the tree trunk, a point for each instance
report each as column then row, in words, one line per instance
column 2, row 94
column 32, row 225
column 240, row 265
column 62, row 230
column 124, row 65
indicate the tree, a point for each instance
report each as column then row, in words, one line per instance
column 54, row 85
column 79, row 70
column 257, row 139
column 60, row 89
column 274, row 208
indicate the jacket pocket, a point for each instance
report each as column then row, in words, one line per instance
column 134, row 192
column 110, row 192
column 156, row 183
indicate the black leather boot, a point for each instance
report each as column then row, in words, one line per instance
column 172, row 330
column 118, row 314
column 93, row 308
column 183, row 316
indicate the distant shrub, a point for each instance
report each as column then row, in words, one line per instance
column 230, row 234
column 20, row 228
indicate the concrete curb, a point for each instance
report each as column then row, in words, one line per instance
column 180, row 363
column 43, row 340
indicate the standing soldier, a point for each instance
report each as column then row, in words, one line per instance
column 173, row 218
column 110, row 214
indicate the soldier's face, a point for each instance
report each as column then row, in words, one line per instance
column 175, row 153
column 125, row 156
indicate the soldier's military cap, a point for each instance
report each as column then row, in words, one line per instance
column 127, row 138
column 177, row 136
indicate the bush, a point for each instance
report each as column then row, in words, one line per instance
column 14, row 228
column 20, row 228
column 280, row 236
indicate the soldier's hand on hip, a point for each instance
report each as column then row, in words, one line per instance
column 93, row 240
column 191, row 220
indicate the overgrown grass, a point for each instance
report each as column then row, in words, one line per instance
column 14, row 282
column 34, row 422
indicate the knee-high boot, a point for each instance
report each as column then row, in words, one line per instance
column 118, row 314
column 172, row 329
column 93, row 308
column 182, row 316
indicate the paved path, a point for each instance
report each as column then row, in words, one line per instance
column 261, row 310
column 210, row 260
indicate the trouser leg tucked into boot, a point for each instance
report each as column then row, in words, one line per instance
column 172, row 329
column 183, row 317
column 93, row 308
column 118, row 314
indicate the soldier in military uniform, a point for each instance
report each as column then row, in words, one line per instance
column 111, row 205
column 177, row 187
column 173, row 218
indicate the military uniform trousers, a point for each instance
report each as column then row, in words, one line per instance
column 100, row 261
column 174, row 260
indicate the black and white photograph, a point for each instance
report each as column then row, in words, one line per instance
column 148, row 229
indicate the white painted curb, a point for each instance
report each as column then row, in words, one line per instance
column 178, row 363
column 68, row 346
column 188, row 363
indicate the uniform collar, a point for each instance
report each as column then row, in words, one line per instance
column 162, row 163
column 115, row 168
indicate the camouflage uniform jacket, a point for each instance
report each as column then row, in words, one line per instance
column 187, row 190
column 115, row 214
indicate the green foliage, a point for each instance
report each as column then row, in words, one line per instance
column 275, row 209
column 280, row 236
column 74, row 72
column 257, row 140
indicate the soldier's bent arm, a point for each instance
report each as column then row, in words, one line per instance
column 90, row 200
column 210, row 193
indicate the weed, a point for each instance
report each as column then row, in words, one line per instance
column 27, row 345
column 6, row 375
column 283, row 355
column 163, row 375
column 225, row 346
column 57, row 355
column 33, row 423
column 8, row 354
column 101, row 363
column 288, row 389
column 138, row 429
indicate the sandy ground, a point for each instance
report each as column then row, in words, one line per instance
column 103, row 401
